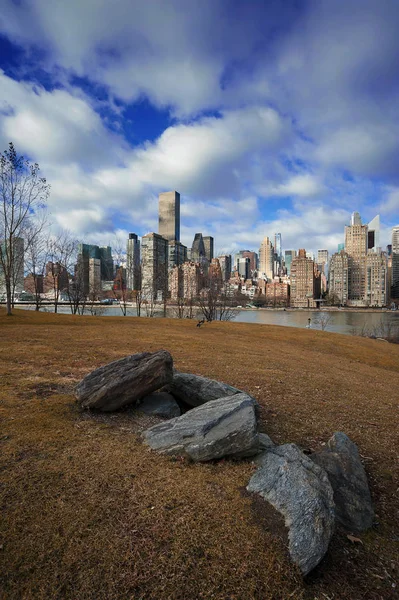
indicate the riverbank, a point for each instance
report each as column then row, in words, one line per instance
column 89, row 512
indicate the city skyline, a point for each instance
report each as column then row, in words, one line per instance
column 290, row 130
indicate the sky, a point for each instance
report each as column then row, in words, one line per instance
column 267, row 116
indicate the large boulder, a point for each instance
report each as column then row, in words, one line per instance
column 341, row 461
column 160, row 404
column 223, row 427
column 195, row 390
column 302, row 493
column 125, row 381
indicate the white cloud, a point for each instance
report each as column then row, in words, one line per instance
column 303, row 186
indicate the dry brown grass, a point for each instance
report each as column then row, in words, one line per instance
column 89, row 512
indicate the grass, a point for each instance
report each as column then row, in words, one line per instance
column 88, row 512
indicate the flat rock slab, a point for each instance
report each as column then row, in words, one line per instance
column 160, row 404
column 223, row 427
column 195, row 390
column 125, row 381
column 302, row 493
column 341, row 461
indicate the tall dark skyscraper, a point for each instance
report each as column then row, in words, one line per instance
column 133, row 262
column 198, row 248
column 208, row 243
column 169, row 216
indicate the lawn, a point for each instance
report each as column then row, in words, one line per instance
column 87, row 511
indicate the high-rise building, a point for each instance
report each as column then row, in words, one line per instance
column 133, row 275
column 198, row 248
column 322, row 257
column 103, row 254
column 177, row 254
column 208, row 245
column 107, row 263
column 373, row 234
column 289, row 255
column 305, row 282
column 94, row 278
column 192, row 280
column 253, row 260
column 395, row 263
column 341, row 247
column 266, row 259
column 242, row 267
column 169, row 216
column 225, row 266
column 339, row 278
column 154, row 267
column 376, row 278
column 356, row 247
column 176, row 284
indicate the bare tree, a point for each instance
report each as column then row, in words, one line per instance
column 35, row 258
column 323, row 320
column 62, row 250
column 22, row 193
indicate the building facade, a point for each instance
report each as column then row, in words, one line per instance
column 305, row 282
column 225, row 266
column 266, row 259
column 177, row 254
column 154, row 266
column 133, row 275
column 339, row 278
column 208, row 245
column 395, row 264
column 376, row 279
column 169, row 216
column 356, row 239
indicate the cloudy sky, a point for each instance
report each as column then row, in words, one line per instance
column 267, row 116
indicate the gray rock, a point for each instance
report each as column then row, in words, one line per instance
column 302, row 493
column 265, row 442
column 160, row 404
column 223, row 427
column 195, row 390
column 341, row 461
column 125, row 381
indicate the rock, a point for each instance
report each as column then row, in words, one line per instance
column 160, row 404
column 223, row 427
column 341, row 461
column 265, row 442
column 302, row 493
column 125, row 381
column 195, row 390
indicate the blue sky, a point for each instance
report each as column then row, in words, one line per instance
column 266, row 116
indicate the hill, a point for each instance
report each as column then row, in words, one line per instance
column 89, row 512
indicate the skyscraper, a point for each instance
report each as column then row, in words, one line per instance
column 198, row 248
column 208, row 244
column 395, row 263
column 169, row 216
column 356, row 246
column 266, row 258
column 373, row 235
column 225, row 266
column 154, row 267
column 133, row 262
column 376, row 278
column 305, row 282
column 289, row 255
column 339, row 278
column 243, row 267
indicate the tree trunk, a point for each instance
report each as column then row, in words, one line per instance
column 8, row 295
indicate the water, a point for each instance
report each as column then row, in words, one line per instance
column 339, row 321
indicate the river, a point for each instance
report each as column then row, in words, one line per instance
column 339, row 321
